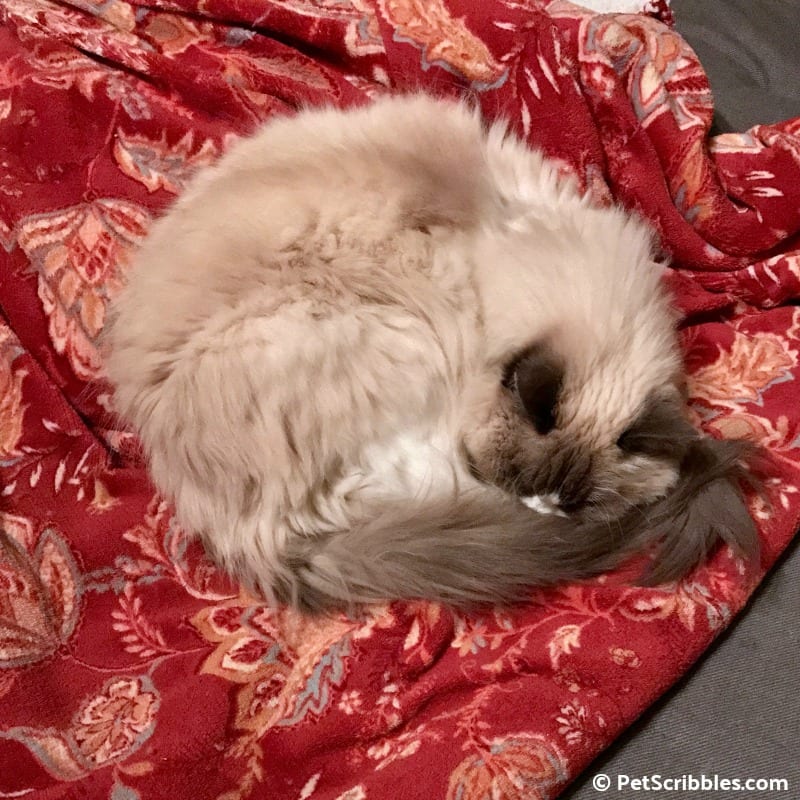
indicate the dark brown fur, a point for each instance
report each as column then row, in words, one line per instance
column 477, row 552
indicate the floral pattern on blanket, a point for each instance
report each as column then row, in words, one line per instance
column 130, row 668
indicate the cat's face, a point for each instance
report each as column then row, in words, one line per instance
column 575, row 442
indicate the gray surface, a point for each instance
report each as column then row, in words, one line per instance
column 738, row 713
column 750, row 50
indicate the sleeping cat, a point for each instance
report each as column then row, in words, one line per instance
column 390, row 353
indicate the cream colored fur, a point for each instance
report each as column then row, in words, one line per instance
column 317, row 331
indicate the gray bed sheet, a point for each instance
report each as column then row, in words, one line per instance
column 737, row 714
column 751, row 52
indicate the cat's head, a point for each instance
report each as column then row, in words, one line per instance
column 586, row 442
column 578, row 399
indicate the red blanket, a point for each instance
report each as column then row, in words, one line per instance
column 129, row 668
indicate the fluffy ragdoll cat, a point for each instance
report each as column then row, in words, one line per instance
column 366, row 346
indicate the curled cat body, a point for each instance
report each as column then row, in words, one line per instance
column 365, row 349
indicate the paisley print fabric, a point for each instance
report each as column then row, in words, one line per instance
column 129, row 667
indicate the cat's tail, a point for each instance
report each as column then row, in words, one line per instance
column 485, row 548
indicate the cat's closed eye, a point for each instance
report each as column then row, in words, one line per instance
column 660, row 430
column 630, row 441
column 536, row 379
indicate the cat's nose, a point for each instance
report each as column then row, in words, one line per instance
column 572, row 504
column 572, row 480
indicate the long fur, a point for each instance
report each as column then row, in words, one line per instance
column 360, row 344
column 486, row 550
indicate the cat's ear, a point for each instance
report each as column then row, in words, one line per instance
column 537, row 376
